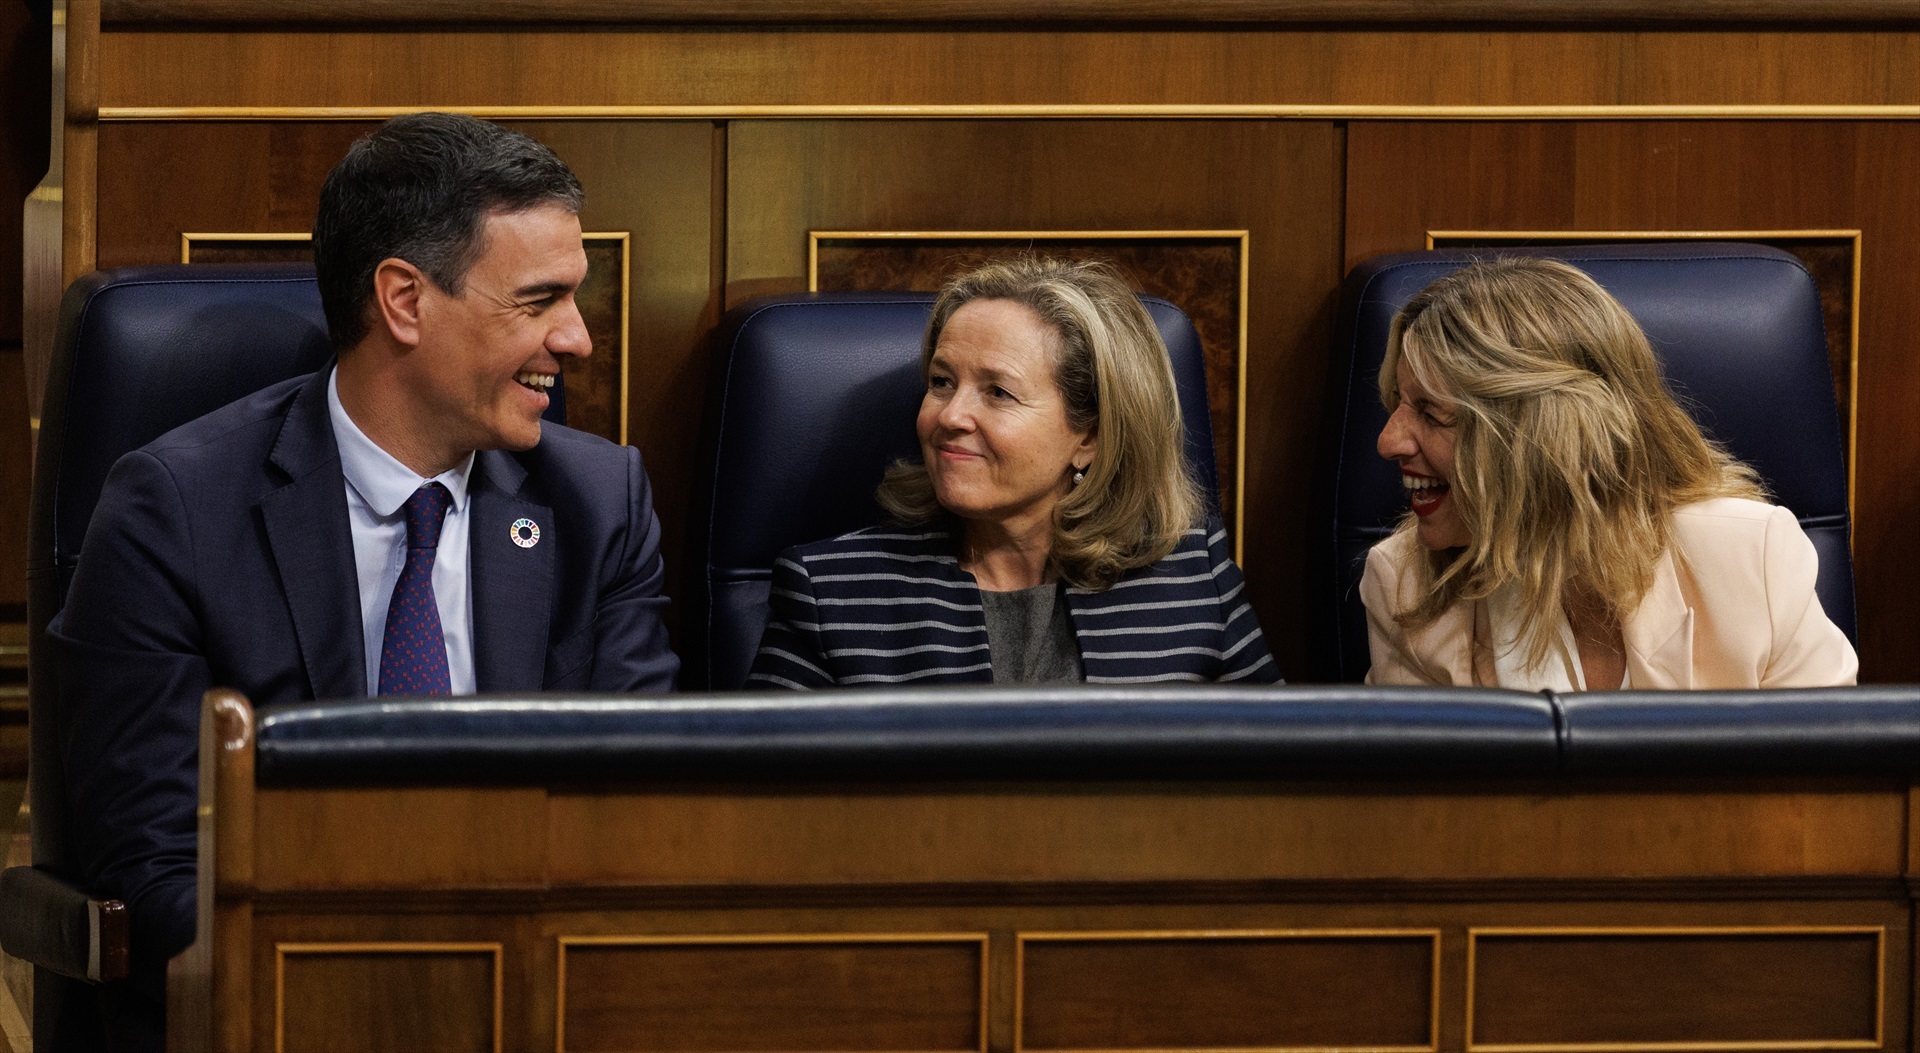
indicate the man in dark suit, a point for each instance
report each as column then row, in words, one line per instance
column 399, row 523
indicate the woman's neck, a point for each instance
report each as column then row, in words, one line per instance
column 1598, row 635
column 1003, row 559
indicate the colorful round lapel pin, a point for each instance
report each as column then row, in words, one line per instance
column 525, row 533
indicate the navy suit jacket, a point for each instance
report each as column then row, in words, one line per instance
column 220, row 555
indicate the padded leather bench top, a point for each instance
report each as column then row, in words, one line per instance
column 1082, row 733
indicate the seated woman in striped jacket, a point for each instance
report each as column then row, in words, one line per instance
column 1051, row 531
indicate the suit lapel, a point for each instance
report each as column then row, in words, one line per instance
column 1659, row 635
column 512, row 585
column 312, row 544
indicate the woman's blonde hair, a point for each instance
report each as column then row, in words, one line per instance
column 1112, row 371
column 1570, row 453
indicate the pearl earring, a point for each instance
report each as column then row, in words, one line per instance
column 1079, row 476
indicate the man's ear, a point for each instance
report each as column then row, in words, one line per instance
column 397, row 285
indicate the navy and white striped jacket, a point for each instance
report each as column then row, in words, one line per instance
column 887, row 605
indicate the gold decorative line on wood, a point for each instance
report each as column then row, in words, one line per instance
column 766, row 939
column 625, row 238
column 1879, row 932
column 1853, row 319
column 815, row 237
column 1216, row 111
column 187, row 239
column 282, row 950
column 1021, row 939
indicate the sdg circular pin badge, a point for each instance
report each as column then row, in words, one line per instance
column 526, row 533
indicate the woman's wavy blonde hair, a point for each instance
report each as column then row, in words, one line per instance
column 1112, row 371
column 1570, row 453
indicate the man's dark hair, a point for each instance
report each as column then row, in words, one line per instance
column 419, row 188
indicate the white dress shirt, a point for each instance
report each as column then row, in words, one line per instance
column 377, row 490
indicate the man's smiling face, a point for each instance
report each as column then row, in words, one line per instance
column 486, row 357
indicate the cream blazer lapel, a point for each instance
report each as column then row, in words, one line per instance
column 1659, row 635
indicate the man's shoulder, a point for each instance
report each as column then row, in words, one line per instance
column 240, row 430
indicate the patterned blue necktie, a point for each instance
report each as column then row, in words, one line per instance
column 413, row 651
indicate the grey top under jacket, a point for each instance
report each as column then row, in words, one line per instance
column 1030, row 637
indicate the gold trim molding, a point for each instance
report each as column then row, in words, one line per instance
column 1879, row 932
column 980, row 939
column 1853, row 313
column 282, row 950
column 815, row 237
column 1021, row 939
column 1083, row 111
column 625, row 238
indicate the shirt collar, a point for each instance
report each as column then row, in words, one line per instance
column 376, row 475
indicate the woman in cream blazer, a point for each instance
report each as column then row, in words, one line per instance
column 1570, row 526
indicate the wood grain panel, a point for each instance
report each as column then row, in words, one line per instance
column 1509, row 12
column 1276, row 181
column 1780, row 989
column 362, row 998
column 1288, row 67
column 1200, row 275
column 775, row 993
column 1229, row 990
column 1114, row 833
column 1405, row 179
column 368, row 838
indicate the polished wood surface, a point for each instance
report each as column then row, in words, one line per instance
column 800, row 993
column 1278, row 70
column 1508, row 12
column 358, row 998
column 1088, row 916
column 1373, row 990
column 1793, row 988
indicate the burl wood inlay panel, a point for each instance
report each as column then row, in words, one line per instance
column 1279, row 991
column 1815, row 989
column 1199, row 275
column 361, row 1001
column 729, row 994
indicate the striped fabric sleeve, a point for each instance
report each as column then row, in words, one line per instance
column 1244, row 654
column 791, row 655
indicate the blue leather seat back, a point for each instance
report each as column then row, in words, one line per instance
column 813, row 397
column 1739, row 331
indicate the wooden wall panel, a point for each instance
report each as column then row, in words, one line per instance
column 1099, row 833
column 1282, row 67
column 1278, row 181
column 404, row 997
column 1780, row 989
column 1405, row 179
column 1228, row 990
column 651, row 179
column 780, row 993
